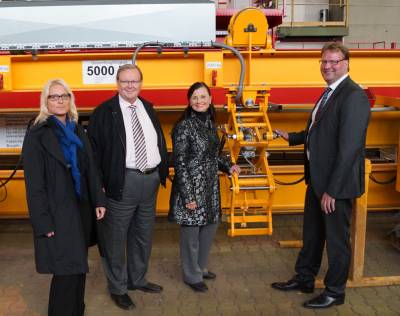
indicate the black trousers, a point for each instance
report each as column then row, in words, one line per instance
column 334, row 229
column 67, row 294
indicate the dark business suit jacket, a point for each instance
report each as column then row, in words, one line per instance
column 107, row 135
column 336, row 143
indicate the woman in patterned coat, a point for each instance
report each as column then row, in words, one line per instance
column 195, row 197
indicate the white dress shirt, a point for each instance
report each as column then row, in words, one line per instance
column 150, row 134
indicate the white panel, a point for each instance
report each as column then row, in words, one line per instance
column 122, row 25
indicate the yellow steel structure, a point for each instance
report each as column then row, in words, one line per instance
column 268, row 73
column 176, row 70
column 249, row 131
column 248, row 28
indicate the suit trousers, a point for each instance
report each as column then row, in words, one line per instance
column 67, row 293
column 195, row 244
column 126, row 232
column 334, row 229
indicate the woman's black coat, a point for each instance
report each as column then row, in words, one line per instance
column 53, row 205
column 196, row 164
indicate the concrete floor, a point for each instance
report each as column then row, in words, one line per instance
column 245, row 267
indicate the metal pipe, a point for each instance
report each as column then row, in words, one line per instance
column 252, row 188
column 134, row 57
column 272, row 107
column 385, row 109
column 214, row 44
column 284, row 8
column 242, row 67
column 292, row 13
column 246, row 176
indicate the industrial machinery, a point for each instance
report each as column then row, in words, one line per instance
column 255, row 89
column 249, row 131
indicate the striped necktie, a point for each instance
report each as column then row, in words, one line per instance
column 138, row 140
column 324, row 98
column 321, row 106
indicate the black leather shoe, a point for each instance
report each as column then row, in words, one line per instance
column 324, row 301
column 198, row 287
column 292, row 285
column 149, row 288
column 123, row 301
column 209, row 275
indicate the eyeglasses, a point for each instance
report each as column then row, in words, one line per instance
column 56, row 97
column 330, row 62
column 130, row 82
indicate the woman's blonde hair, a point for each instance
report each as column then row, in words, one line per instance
column 44, row 111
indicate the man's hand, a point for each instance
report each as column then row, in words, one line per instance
column 50, row 234
column 327, row 203
column 100, row 212
column 191, row 206
column 282, row 134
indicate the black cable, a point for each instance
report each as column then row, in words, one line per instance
column 389, row 181
column 3, row 183
column 289, row 183
column 5, row 192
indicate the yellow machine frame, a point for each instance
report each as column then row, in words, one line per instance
column 267, row 71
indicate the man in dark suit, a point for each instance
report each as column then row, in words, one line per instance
column 131, row 155
column 334, row 142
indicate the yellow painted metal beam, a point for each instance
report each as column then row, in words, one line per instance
column 388, row 101
column 268, row 68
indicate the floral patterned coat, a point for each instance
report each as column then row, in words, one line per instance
column 196, row 163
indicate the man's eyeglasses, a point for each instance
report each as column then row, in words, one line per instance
column 56, row 97
column 130, row 82
column 330, row 62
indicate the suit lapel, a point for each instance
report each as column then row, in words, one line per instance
column 331, row 99
column 51, row 145
column 119, row 120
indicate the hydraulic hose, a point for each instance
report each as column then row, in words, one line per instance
column 134, row 57
column 242, row 67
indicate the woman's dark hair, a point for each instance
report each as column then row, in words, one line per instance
column 188, row 110
column 194, row 87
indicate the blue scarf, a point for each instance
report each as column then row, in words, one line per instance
column 69, row 142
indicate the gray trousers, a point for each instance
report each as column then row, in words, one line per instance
column 195, row 244
column 127, row 232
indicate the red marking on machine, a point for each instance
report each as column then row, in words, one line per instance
column 177, row 97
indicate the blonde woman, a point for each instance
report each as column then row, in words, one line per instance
column 64, row 197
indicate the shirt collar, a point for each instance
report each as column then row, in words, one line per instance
column 334, row 85
column 125, row 104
